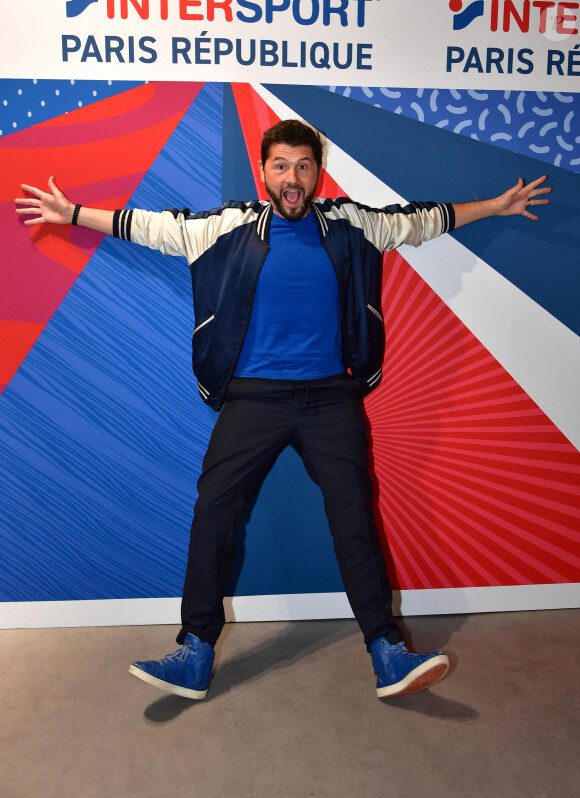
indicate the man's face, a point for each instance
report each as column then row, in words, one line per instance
column 290, row 175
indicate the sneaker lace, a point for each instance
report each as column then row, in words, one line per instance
column 398, row 648
column 181, row 654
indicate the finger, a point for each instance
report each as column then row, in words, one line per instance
column 32, row 189
column 535, row 202
column 52, row 185
column 537, row 182
column 518, row 187
column 27, row 201
column 535, row 193
column 28, row 211
column 30, row 222
column 529, row 215
column 25, row 211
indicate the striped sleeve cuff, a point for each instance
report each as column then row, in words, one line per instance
column 448, row 217
column 122, row 224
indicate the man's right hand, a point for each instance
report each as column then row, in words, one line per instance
column 48, row 207
column 52, row 207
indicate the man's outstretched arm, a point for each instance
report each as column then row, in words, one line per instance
column 514, row 201
column 52, row 207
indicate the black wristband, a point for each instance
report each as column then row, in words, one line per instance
column 75, row 216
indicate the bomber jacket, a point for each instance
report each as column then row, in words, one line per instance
column 226, row 247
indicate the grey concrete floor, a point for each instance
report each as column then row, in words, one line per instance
column 292, row 712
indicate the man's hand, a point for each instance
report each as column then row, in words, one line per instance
column 514, row 201
column 48, row 207
column 52, row 207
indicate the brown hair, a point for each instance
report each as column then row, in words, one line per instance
column 295, row 134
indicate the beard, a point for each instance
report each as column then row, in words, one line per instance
column 291, row 213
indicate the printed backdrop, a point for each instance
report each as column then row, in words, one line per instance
column 475, row 427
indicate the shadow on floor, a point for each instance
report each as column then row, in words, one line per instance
column 299, row 640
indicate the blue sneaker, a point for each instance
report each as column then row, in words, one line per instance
column 400, row 672
column 186, row 672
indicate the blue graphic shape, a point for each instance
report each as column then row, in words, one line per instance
column 237, row 175
column 425, row 163
column 464, row 18
column 286, row 545
column 76, row 7
column 544, row 125
column 102, row 429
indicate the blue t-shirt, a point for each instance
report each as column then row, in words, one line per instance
column 294, row 331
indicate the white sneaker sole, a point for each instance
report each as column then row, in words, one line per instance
column 423, row 676
column 185, row 692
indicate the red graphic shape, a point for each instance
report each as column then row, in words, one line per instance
column 476, row 486
column 16, row 339
column 100, row 154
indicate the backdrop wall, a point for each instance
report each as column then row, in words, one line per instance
column 475, row 428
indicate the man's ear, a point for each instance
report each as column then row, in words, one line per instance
column 261, row 168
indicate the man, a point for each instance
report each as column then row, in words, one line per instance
column 288, row 338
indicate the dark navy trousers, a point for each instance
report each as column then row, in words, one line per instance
column 323, row 421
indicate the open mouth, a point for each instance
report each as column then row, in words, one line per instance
column 293, row 196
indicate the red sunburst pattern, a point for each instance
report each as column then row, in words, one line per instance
column 476, row 486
